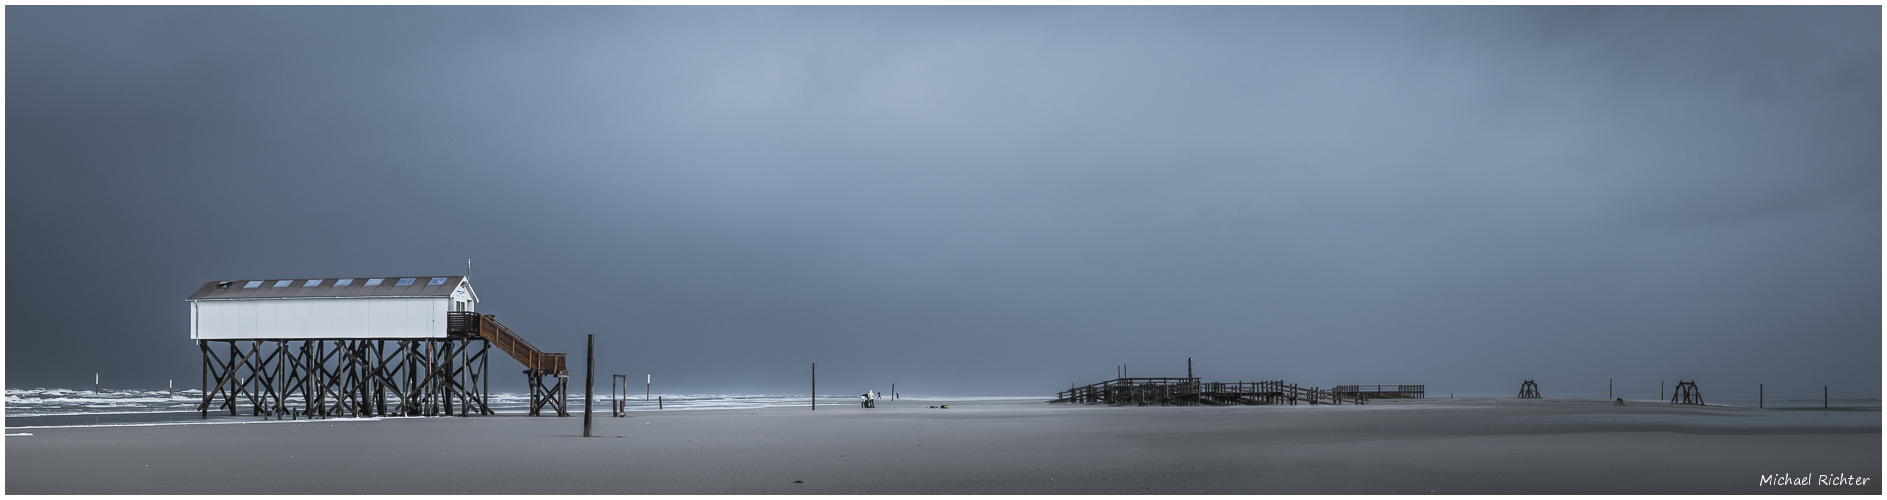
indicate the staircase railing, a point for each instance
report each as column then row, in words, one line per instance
column 486, row 326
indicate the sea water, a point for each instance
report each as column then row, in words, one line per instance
column 40, row 407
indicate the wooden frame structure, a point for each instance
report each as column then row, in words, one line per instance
column 1686, row 393
column 354, row 378
column 1529, row 390
column 618, row 407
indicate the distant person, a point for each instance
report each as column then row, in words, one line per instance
column 864, row 400
column 1618, row 402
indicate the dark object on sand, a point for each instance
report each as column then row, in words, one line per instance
column 589, row 383
column 1687, row 394
column 1618, row 402
column 617, row 406
column 1529, row 390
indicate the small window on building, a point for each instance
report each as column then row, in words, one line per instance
column 312, row 283
column 436, row 282
column 222, row 284
column 344, row 282
column 404, row 282
column 253, row 284
column 283, row 283
column 373, row 282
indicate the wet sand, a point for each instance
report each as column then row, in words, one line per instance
column 1463, row 446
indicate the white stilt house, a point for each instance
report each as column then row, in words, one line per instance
column 404, row 345
column 329, row 308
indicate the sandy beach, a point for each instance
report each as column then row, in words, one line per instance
column 1460, row 446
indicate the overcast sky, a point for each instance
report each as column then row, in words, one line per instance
column 974, row 201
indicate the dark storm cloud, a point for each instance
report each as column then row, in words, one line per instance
column 977, row 200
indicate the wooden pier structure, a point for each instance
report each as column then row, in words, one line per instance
column 1384, row 391
column 1162, row 391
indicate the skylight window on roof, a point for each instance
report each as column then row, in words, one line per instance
column 373, row 282
column 312, row 283
column 253, row 284
column 436, row 282
column 344, row 282
column 283, row 283
column 404, row 282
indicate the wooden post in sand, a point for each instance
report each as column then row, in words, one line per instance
column 589, row 384
column 205, row 407
column 1759, row 396
column 815, row 386
column 1824, row 397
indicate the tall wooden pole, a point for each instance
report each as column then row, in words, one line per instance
column 815, row 386
column 1759, row 395
column 589, row 384
column 1189, row 381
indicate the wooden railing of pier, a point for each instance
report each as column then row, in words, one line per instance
column 1192, row 392
column 1383, row 391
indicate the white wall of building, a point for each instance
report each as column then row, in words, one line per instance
column 365, row 318
column 463, row 299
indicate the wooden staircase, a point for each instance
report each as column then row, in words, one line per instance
column 487, row 327
column 537, row 363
